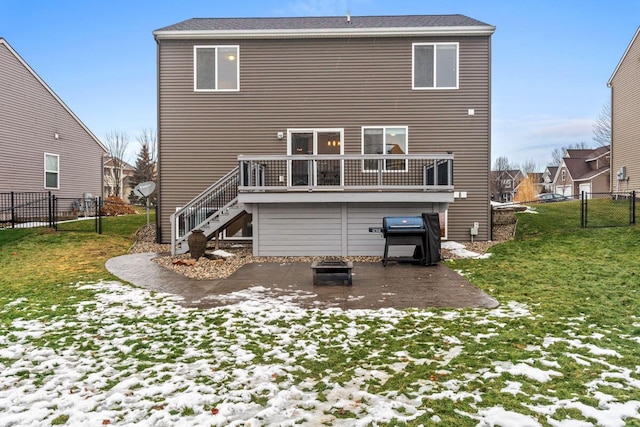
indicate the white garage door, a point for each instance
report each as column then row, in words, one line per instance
column 586, row 188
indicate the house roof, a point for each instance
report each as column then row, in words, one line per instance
column 636, row 36
column 599, row 153
column 325, row 26
column 48, row 89
column 578, row 153
column 577, row 163
column 109, row 162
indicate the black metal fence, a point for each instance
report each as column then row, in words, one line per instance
column 42, row 209
column 607, row 209
column 78, row 214
column 26, row 209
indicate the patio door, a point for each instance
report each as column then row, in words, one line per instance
column 313, row 142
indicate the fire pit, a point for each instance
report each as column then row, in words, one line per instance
column 332, row 271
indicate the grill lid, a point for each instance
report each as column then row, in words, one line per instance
column 403, row 223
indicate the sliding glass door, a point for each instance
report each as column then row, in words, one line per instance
column 313, row 142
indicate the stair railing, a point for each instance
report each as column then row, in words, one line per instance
column 204, row 209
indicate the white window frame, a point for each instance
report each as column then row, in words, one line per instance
column 435, row 66
column 57, row 172
column 384, row 144
column 215, row 48
column 315, row 132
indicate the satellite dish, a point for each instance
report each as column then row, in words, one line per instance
column 144, row 188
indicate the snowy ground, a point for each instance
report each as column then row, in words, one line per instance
column 133, row 358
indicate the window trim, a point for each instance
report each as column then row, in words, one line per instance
column 435, row 77
column 215, row 48
column 384, row 143
column 57, row 172
column 314, row 131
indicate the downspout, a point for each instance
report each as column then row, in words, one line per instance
column 158, row 139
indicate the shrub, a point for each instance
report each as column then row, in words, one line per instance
column 114, row 205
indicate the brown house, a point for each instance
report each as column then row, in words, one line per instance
column 583, row 170
column 625, row 125
column 314, row 129
column 43, row 145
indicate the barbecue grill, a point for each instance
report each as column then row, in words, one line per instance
column 404, row 230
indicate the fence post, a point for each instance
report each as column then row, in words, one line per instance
column 583, row 210
column 49, row 206
column 633, row 207
column 54, row 209
column 13, row 210
column 99, row 213
column 490, row 222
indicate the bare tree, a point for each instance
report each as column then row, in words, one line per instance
column 116, row 143
column 528, row 166
column 602, row 127
column 559, row 153
column 502, row 164
column 499, row 183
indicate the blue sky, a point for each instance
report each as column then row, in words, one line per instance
column 551, row 59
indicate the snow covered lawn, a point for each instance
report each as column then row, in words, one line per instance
column 134, row 358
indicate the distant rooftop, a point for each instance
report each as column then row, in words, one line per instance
column 330, row 24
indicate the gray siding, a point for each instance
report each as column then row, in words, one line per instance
column 625, row 107
column 322, row 83
column 298, row 229
column 29, row 117
column 315, row 229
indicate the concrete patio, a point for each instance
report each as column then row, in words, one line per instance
column 374, row 286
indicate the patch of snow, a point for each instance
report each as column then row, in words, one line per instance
column 223, row 254
column 460, row 250
column 139, row 358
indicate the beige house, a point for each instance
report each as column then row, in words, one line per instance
column 311, row 130
column 117, row 178
column 44, row 147
column 625, row 123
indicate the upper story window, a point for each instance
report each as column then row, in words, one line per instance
column 51, row 171
column 385, row 140
column 216, row 68
column 435, row 65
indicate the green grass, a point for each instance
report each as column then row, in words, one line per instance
column 39, row 264
column 577, row 285
column 563, row 269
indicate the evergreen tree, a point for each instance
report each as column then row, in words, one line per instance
column 144, row 171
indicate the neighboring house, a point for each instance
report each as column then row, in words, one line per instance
column 504, row 184
column 43, row 145
column 625, row 123
column 583, row 170
column 548, row 177
column 317, row 128
column 117, row 172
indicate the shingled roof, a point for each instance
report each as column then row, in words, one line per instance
column 356, row 24
column 584, row 164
